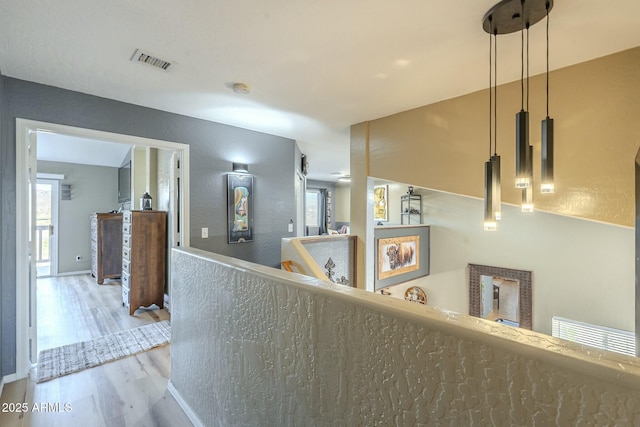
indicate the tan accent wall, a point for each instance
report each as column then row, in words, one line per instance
column 443, row 146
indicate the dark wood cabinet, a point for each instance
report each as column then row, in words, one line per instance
column 106, row 246
column 144, row 252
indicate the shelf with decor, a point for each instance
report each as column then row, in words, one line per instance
column 411, row 209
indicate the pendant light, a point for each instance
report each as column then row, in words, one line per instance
column 491, row 167
column 546, row 177
column 527, row 192
column 495, row 159
column 523, row 174
column 506, row 17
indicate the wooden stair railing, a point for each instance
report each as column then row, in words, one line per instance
column 287, row 265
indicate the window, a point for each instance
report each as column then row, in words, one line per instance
column 312, row 217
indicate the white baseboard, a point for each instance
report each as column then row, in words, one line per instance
column 6, row 380
column 184, row 406
column 74, row 273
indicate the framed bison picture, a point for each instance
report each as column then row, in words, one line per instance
column 402, row 254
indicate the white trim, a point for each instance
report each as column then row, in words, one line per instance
column 24, row 129
column 74, row 273
column 22, row 248
column 6, row 380
column 184, row 406
column 42, row 175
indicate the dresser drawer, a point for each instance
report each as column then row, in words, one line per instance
column 126, row 267
column 126, row 228
column 126, row 240
column 125, row 253
column 126, row 217
column 126, row 281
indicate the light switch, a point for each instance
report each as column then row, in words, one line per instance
column 205, row 232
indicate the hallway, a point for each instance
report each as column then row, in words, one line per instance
column 127, row 392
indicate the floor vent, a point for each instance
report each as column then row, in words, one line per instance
column 595, row 336
column 152, row 60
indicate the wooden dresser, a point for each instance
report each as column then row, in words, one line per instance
column 144, row 252
column 106, row 246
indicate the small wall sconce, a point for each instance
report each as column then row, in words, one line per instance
column 240, row 167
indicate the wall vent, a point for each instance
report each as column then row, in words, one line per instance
column 152, row 60
column 595, row 336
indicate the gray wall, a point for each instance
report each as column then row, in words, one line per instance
column 213, row 148
column 93, row 189
column 7, row 269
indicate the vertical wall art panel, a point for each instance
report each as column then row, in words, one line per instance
column 240, row 207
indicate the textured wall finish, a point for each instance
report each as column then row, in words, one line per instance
column 258, row 346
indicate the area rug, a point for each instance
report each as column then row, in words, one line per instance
column 59, row 361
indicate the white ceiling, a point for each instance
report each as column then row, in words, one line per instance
column 55, row 147
column 314, row 67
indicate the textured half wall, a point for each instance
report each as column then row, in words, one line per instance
column 252, row 345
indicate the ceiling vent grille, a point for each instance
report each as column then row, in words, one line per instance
column 151, row 60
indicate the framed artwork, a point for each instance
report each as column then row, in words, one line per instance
column 398, row 255
column 402, row 254
column 240, row 207
column 380, row 203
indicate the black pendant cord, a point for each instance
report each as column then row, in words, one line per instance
column 490, row 95
column 527, row 66
column 547, row 8
column 495, row 94
column 522, row 57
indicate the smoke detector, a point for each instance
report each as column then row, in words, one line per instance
column 241, row 88
column 147, row 58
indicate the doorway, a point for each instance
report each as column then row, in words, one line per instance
column 46, row 227
column 26, row 170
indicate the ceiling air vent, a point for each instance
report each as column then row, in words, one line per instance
column 149, row 59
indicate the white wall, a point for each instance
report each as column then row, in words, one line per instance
column 253, row 345
column 582, row 270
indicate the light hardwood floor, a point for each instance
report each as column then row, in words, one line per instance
column 128, row 392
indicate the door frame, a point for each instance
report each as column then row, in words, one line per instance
column 26, row 168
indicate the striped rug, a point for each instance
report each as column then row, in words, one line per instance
column 59, row 361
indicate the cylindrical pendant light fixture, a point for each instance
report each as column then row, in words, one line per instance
column 523, row 175
column 489, row 214
column 546, row 178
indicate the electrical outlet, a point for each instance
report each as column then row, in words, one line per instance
column 78, row 258
column 205, row 232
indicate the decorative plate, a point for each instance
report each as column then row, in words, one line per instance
column 415, row 294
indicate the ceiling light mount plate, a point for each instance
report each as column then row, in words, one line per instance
column 505, row 17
